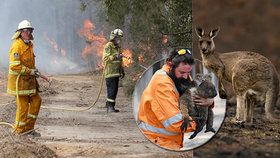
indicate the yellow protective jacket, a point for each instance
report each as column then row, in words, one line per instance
column 159, row 113
column 22, row 59
column 112, row 66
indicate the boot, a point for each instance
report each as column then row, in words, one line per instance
column 107, row 103
column 111, row 107
column 35, row 134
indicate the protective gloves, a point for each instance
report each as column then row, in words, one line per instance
column 118, row 57
column 35, row 72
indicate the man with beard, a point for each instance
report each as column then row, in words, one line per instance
column 160, row 118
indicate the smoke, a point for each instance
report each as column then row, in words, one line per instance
column 57, row 45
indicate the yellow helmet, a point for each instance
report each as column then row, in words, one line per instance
column 115, row 33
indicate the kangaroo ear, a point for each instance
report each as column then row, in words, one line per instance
column 214, row 32
column 199, row 31
column 192, row 84
column 198, row 77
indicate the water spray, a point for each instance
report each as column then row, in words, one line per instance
column 129, row 58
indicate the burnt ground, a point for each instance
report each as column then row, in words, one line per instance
column 12, row 146
column 92, row 133
column 260, row 140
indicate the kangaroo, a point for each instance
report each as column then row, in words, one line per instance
column 205, row 88
column 253, row 76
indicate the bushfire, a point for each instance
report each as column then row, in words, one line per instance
column 95, row 44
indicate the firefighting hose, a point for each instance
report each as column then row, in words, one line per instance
column 56, row 108
column 86, row 108
column 98, row 95
column 17, row 100
column 61, row 108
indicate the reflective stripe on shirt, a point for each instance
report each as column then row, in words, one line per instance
column 151, row 128
column 22, row 92
column 31, row 116
column 173, row 119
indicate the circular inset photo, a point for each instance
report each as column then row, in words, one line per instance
column 176, row 103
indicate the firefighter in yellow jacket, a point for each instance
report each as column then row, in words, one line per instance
column 160, row 118
column 22, row 81
column 112, row 58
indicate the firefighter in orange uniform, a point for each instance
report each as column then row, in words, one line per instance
column 160, row 118
column 22, row 81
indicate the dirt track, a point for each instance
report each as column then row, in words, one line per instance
column 93, row 133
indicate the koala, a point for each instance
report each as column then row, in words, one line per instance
column 203, row 115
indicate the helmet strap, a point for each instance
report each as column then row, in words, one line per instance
column 26, row 41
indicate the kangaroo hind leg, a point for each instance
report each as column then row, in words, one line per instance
column 270, row 102
column 250, row 101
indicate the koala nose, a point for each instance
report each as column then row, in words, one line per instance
column 203, row 49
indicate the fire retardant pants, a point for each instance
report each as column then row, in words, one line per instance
column 112, row 84
column 27, row 111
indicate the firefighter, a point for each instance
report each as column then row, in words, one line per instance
column 160, row 118
column 112, row 58
column 22, row 81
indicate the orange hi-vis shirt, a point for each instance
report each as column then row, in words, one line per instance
column 159, row 113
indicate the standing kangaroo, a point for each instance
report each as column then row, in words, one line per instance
column 252, row 76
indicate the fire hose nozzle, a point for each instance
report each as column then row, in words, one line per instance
column 37, row 74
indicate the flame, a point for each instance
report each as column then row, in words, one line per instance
column 141, row 58
column 164, row 39
column 52, row 42
column 95, row 43
column 59, row 57
column 127, row 60
column 57, row 51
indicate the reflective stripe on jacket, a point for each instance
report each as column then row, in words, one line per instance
column 113, row 66
column 159, row 113
column 22, row 59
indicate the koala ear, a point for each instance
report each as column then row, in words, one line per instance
column 193, row 84
column 208, row 77
column 198, row 76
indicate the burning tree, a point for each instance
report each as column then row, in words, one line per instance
column 93, row 50
column 151, row 28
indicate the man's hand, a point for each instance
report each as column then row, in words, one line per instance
column 34, row 72
column 203, row 101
